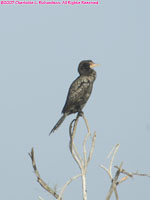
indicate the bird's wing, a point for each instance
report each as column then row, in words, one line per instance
column 79, row 91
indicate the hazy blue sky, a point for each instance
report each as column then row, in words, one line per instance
column 40, row 49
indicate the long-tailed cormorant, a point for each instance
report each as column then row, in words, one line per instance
column 79, row 91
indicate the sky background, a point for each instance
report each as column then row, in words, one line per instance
column 40, row 49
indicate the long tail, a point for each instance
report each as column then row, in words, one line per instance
column 59, row 123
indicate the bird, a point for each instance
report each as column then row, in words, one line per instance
column 79, row 91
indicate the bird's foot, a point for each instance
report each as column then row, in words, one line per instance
column 80, row 114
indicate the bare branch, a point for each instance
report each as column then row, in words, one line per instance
column 114, row 183
column 131, row 174
column 114, row 180
column 66, row 184
column 72, row 146
column 86, row 123
column 84, row 187
column 84, row 148
column 107, row 171
column 92, row 147
column 139, row 174
column 85, row 141
column 82, row 163
column 39, row 179
column 40, row 198
column 114, row 151
column 123, row 179
column 116, row 193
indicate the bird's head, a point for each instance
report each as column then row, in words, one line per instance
column 86, row 67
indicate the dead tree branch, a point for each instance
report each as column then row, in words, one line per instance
column 66, row 184
column 113, row 152
column 114, row 184
column 120, row 170
column 109, row 172
column 39, row 179
column 81, row 162
column 132, row 174
column 44, row 185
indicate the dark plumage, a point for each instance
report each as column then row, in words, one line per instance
column 79, row 91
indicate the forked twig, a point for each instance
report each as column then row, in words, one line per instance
column 114, row 180
column 109, row 172
column 44, row 185
column 113, row 152
column 82, row 163
column 114, row 184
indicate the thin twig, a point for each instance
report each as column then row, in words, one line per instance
column 122, row 180
column 107, row 171
column 131, row 174
column 39, row 179
column 40, row 198
column 86, row 123
column 66, row 184
column 139, row 174
column 84, row 148
column 113, row 152
column 113, row 185
column 114, row 180
column 72, row 147
column 92, row 148
column 113, row 156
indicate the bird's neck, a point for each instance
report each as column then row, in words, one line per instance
column 93, row 75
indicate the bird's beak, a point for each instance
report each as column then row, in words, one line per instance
column 94, row 65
